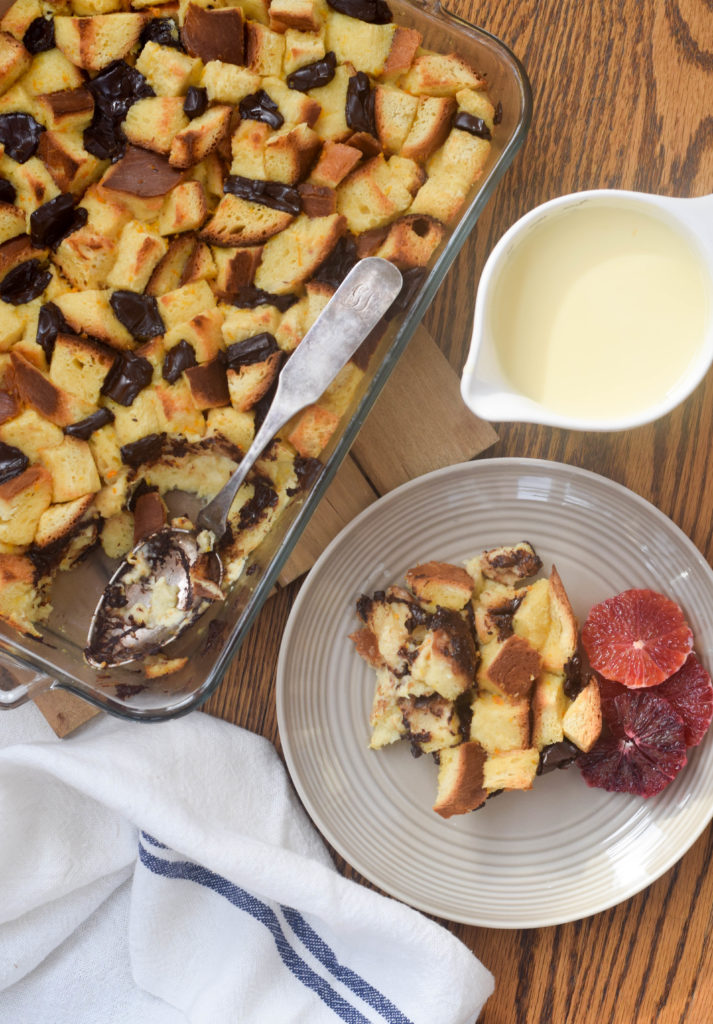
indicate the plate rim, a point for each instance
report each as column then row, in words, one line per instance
column 515, row 465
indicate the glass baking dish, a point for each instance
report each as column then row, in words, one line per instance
column 29, row 665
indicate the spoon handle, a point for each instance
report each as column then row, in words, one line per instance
column 358, row 304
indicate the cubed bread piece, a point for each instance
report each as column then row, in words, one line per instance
column 439, row 583
column 339, row 394
column 22, row 594
column 440, row 197
column 201, row 136
column 435, row 74
column 80, row 366
column 292, row 327
column 208, row 384
column 335, row 162
column 18, row 250
column 388, row 621
column 153, row 122
column 431, row 723
column 301, row 48
column 240, row 324
column 411, row 241
column 105, row 217
column 13, row 222
column 67, row 110
column 14, row 60
column 511, row 769
column 394, row 114
column 296, row 107
column 211, row 173
column 170, row 269
column 510, row 563
column 185, row 303
column 90, row 312
column 364, row 45
column 531, row 618
column 202, row 332
column 235, row 426
column 447, row 657
column 404, row 47
column 106, row 452
column 86, row 258
column 12, row 325
column 430, row 127
column 33, row 183
column 93, row 43
column 137, row 255
column 265, row 49
column 462, row 157
column 168, row 71
column 509, row 668
column 582, row 722
column 117, row 535
column 179, row 410
column 476, row 103
column 114, row 495
column 19, row 16
column 17, row 100
column 498, row 723
column 200, row 266
column 366, row 646
column 305, row 15
column 36, row 390
column 29, row 431
column 214, row 34
column 372, row 195
column 312, row 430
column 72, row 469
column 385, row 718
column 51, row 71
column 238, row 222
column 549, row 704
column 228, row 83
column 59, row 522
column 331, row 122
column 461, row 785
column 23, row 499
column 290, row 152
column 250, row 382
column 143, row 417
column 185, row 209
column 72, row 168
column 235, row 269
column 248, row 149
column 291, row 257
column 561, row 643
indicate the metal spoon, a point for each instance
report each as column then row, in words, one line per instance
column 169, row 578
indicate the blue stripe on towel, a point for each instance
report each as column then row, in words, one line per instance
column 292, row 960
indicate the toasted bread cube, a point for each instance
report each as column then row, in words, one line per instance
column 312, row 430
column 582, row 722
column 30, row 432
column 138, row 253
column 306, row 15
column 12, row 222
column 532, row 619
column 430, row 127
column 291, row 257
column 477, row 103
column 290, row 153
column 435, row 74
column 106, row 452
column 440, row 583
column 86, row 258
column 509, row 668
column 440, row 197
column 57, row 523
column 335, row 162
column 431, row 723
column 114, row 495
column 208, row 384
column 202, row 332
column 67, row 110
column 72, row 168
column 117, row 535
column 248, row 384
column 17, row 100
column 72, row 468
column 153, row 122
column 86, row 8
column 373, row 195
column 37, row 391
column 235, row 268
column 200, row 266
column 511, row 769
column 240, row 324
column 185, row 303
column 510, row 563
column 500, row 724
column 168, row 71
column 179, row 410
column 411, row 241
column 228, row 83
column 80, row 366
column 106, row 217
column 238, row 222
column 549, row 704
column 185, row 209
column 214, row 34
column 394, row 114
column 33, row 183
column 293, row 326
column 296, row 107
column 209, row 171
column 301, row 48
column 331, row 122
column 386, row 620
column 360, row 43
column 561, row 643
column 12, row 325
column 385, row 717
column 22, row 597
column 445, row 662
column 143, row 417
column 19, row 16
column 461, row 782
column 235, row 426
column 51, row 71
column 265, row 49
column 404, row 47
column 23, row 499
column 90, row 312
column 248, row 149
column 169, row 271
column 201, row 136
column 93, row 43
column 462, row 156
column 14, row 60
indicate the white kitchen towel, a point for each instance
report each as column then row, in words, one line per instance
column 163, row 874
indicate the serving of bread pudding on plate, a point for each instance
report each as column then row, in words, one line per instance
column 478, row 665
column 182, row 188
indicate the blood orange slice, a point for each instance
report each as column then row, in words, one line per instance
column 690, row 694
column 643, row 751
column 638, row 638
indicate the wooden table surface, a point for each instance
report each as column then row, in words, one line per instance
column 622, row 93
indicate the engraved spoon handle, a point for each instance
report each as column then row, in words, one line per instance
column 358, row 304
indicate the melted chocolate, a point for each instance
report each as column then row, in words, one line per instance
column 261, row 107
column 363, row 607
column 146, row 449
column 114, row 90
column 315, row 75
column 471, row 124
column 557, row 755
column 50, row 323
column 461, row 645
column 20, row 135
column 265, row 497
column 12, row 462
column 53, row 221
column 126, row 690
column 214, row 636
column 360, row 104
column 163, row 31
column 8, row 192
column 138, row 313
column 573, row 682
column 268, row 193
column 179, row 358
column 413, row 278
column 501, row 617
column 248, row 297
column 307, row 470
column 376, row 12
column 24, row 283
column 129, row 375
column 339, row 262
column 252, row 350
column 39, row 36
column 86, row 427
column 196, row 102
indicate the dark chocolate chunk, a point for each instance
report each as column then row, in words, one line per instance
column 268, row 193
column 138, row 313
column 360, row 104
column 264, row 497
column 146, row 449
column 7, row 191
column 114, row 90
column 471, row 124
column 178, row 359
column 70, row 101
column 129, row 375
column 374, row 11
column 215, row 35
column 413, row 278
column 12, row 462
column 307, row 470
column 53, row 221
column 315, row 75
column 20, row 135
column 39, row 36
column 50, row 323
column 557, row 755
column 252, row 350
column 143, row 174
column 196, row 102
column 248, row 297
column 258, row 106
column 573, row 681
column 163, row 31
column 339, row 262
column 86, row 427
column 24, row 283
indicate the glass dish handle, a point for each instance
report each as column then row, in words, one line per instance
column 19, row 684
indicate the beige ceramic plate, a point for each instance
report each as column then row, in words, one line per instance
column 555, row 854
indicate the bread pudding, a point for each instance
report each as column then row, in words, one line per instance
column 182, row 188
column 478, row 665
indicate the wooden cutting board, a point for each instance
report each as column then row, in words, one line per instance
column 418, row 423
